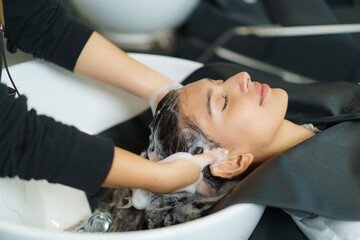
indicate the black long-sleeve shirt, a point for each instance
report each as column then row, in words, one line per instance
column 38, row 147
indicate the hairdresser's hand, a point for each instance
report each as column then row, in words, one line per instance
column 183, row 171
column 156, row 97
column 175, row 172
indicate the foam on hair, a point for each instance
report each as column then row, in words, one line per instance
column 162, row 209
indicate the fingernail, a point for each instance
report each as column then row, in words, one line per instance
column 223, row 153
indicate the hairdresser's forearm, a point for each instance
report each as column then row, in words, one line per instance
column 102, row 60
column 129, row 170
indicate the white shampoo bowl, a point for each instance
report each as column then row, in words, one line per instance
column 134, row 21
column 40, row 210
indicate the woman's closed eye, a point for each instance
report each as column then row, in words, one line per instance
column 226, row 100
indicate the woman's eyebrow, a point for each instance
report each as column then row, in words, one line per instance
column 209, row 95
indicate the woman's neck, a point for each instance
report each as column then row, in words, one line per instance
column 289, row 135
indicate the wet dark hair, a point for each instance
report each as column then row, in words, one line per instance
column 172, row 132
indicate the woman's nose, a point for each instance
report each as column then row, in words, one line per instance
column 242, row 80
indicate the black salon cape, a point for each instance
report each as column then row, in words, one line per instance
column 319, row 176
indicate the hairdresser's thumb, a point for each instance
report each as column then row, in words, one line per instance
column 212, row 157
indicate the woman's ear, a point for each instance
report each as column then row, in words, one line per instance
column 232, row 166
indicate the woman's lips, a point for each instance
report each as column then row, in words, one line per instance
column 263, row 90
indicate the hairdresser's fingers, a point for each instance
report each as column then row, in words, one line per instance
column 155, row 98
column 191, row 175
column 214, row 156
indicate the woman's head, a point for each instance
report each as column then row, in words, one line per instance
column 204, row 115
column 238, row 114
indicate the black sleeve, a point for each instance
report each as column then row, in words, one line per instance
column 38, row 147
column 42, row 28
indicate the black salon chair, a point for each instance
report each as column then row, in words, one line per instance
column 280, row 37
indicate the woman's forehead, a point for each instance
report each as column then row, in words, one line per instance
column 193, row 101
column 195, row 86
column 192, row 92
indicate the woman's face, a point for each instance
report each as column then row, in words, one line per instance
column 237, row 113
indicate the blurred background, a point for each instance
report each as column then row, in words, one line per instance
column 187, row 28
